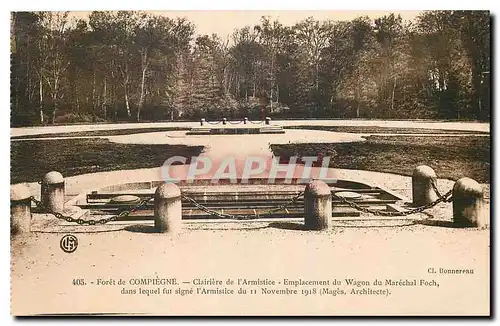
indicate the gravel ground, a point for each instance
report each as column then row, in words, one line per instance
column 42, row 274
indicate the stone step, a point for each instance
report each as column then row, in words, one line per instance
column 272, row 130
column 231, row 130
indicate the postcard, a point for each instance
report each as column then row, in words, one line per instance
column 250, row 163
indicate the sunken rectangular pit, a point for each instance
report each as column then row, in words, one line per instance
column 256, row 198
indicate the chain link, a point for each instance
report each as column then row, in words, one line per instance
column 235, row 122
column 242, row 217
column 445, row 198
column 257, row 122
column 436, row 190
column 81, row 221
column 213, row 122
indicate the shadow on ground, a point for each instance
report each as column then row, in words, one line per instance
column 288, row 226
column 301, row 227
column 441, row 223
column 141, row 229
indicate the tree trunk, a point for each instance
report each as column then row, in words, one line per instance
column 317, row 77
column 125, row 95
column 77, row 100
column 476, row 91
column 358, row 100
column 392, row 98
column 224, row 81
column 55, row 91
column 16, row 100
column 277, row 92
column 115, row 102
column 479, row 108
column 104, row 100
column 271, row 98
column 41, row 100
column 272, row 82
column 144, row 62
column 28, row 74
column 93, row 91
column 54, row 111
column 125, row 90
column 254, row 82
column 141, row 99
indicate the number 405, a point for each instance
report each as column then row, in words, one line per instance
column 79, row 281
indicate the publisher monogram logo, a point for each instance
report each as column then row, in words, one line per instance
column 69, row 243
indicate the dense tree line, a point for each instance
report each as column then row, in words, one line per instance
column 137, row 66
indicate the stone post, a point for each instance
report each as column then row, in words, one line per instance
column 20, row 209
column 202, row 121
column 317, row 205
column 245, row 120
column 168, row 209
column 224, row 121
column 469, row 208
column 422, row 191
column 53, row 192
column 268, row 121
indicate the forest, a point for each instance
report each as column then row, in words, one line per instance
column 136, row 66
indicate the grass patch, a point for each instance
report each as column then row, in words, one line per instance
column 30, row 160
column 452, row 157
column 383, row 130
column 97, row 133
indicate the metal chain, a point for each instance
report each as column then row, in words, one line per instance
column 242, row 217
column 436, row 190
column 80, row 221
column 445, row 198
column 144, row 202
column 235, row 122
column 213, row 123
column 442, row 198
column 256, row 123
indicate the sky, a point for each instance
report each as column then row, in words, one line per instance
column 224, row 22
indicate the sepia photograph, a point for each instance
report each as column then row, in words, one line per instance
column 250, row 163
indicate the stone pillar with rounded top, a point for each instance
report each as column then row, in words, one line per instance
column 20, row 209
column 168, row 208
column 53, row 192
column 469, row 208
column 317, row 205
column 422, row 191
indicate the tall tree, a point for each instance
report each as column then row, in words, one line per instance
column 25, row 55
column 312, row 38
column 54, row 60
